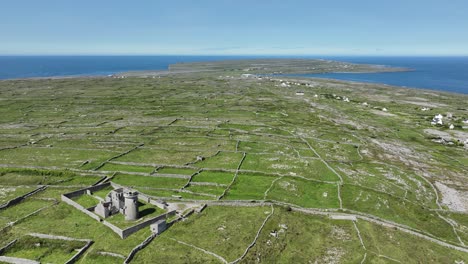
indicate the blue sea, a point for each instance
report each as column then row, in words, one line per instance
column 13, row 67
column 437, row 73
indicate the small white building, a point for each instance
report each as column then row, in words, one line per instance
column 158, row 227
column 300, row 93
column 437, row 120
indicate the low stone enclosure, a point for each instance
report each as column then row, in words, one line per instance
column 158, row 223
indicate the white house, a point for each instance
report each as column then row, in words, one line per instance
column 437, row 120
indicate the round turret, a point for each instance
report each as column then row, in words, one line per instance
column 131, row 205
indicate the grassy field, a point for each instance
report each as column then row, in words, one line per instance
column 44, row 250
column 287, row 237
column 214, row 136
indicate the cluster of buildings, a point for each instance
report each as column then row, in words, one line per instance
column 118, row 201
column 121, row 200
column 438, row 120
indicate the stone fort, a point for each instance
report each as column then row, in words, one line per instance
column 119, row 201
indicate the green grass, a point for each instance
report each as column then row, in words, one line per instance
column 65, row 128
column 165, row 250
column 214, row 176
column 94, row 257
column 54, row 192
column 404, row 247
column 162, row 157
column 288, row 165
column 103, row 192
column 395, row 181
column 44, row 250
column 181, row 171
column 249, row 186
column 8, row 192
column 19, row 177
column 126, row 168
column 86, row 200
column 193, row 143
column 148, row 181
column 21, row 210
column 295, row 230
column 267, row 147
column 305, row 193
column 225, row 160
column 64, row 220
column 461, row 226
column 394, row 209
column 336, row 150
column 176, row 194
column 215, row 190
column 63, row 158
column 225, row 232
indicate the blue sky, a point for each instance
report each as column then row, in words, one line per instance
column 236, row 27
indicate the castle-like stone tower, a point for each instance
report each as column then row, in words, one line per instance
column 131, row 206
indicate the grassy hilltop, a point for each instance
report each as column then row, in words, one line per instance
column 292, row 171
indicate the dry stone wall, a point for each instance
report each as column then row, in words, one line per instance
column 18, row 199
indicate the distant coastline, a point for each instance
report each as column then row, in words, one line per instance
column 435, row 73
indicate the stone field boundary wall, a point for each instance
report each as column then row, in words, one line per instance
column 138, row 248
column 81, row 208
column 84, row 190
column 19, row 199
column 79, row 253
column 72, row 260
column 7, row 246
column 135, row 228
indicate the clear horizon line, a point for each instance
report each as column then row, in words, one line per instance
column 230, row 55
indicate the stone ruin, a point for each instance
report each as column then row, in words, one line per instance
column 126, row 201
column 119, row 201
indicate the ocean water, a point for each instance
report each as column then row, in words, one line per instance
column 438, row 73
column 13, row 67
column 435, row 73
